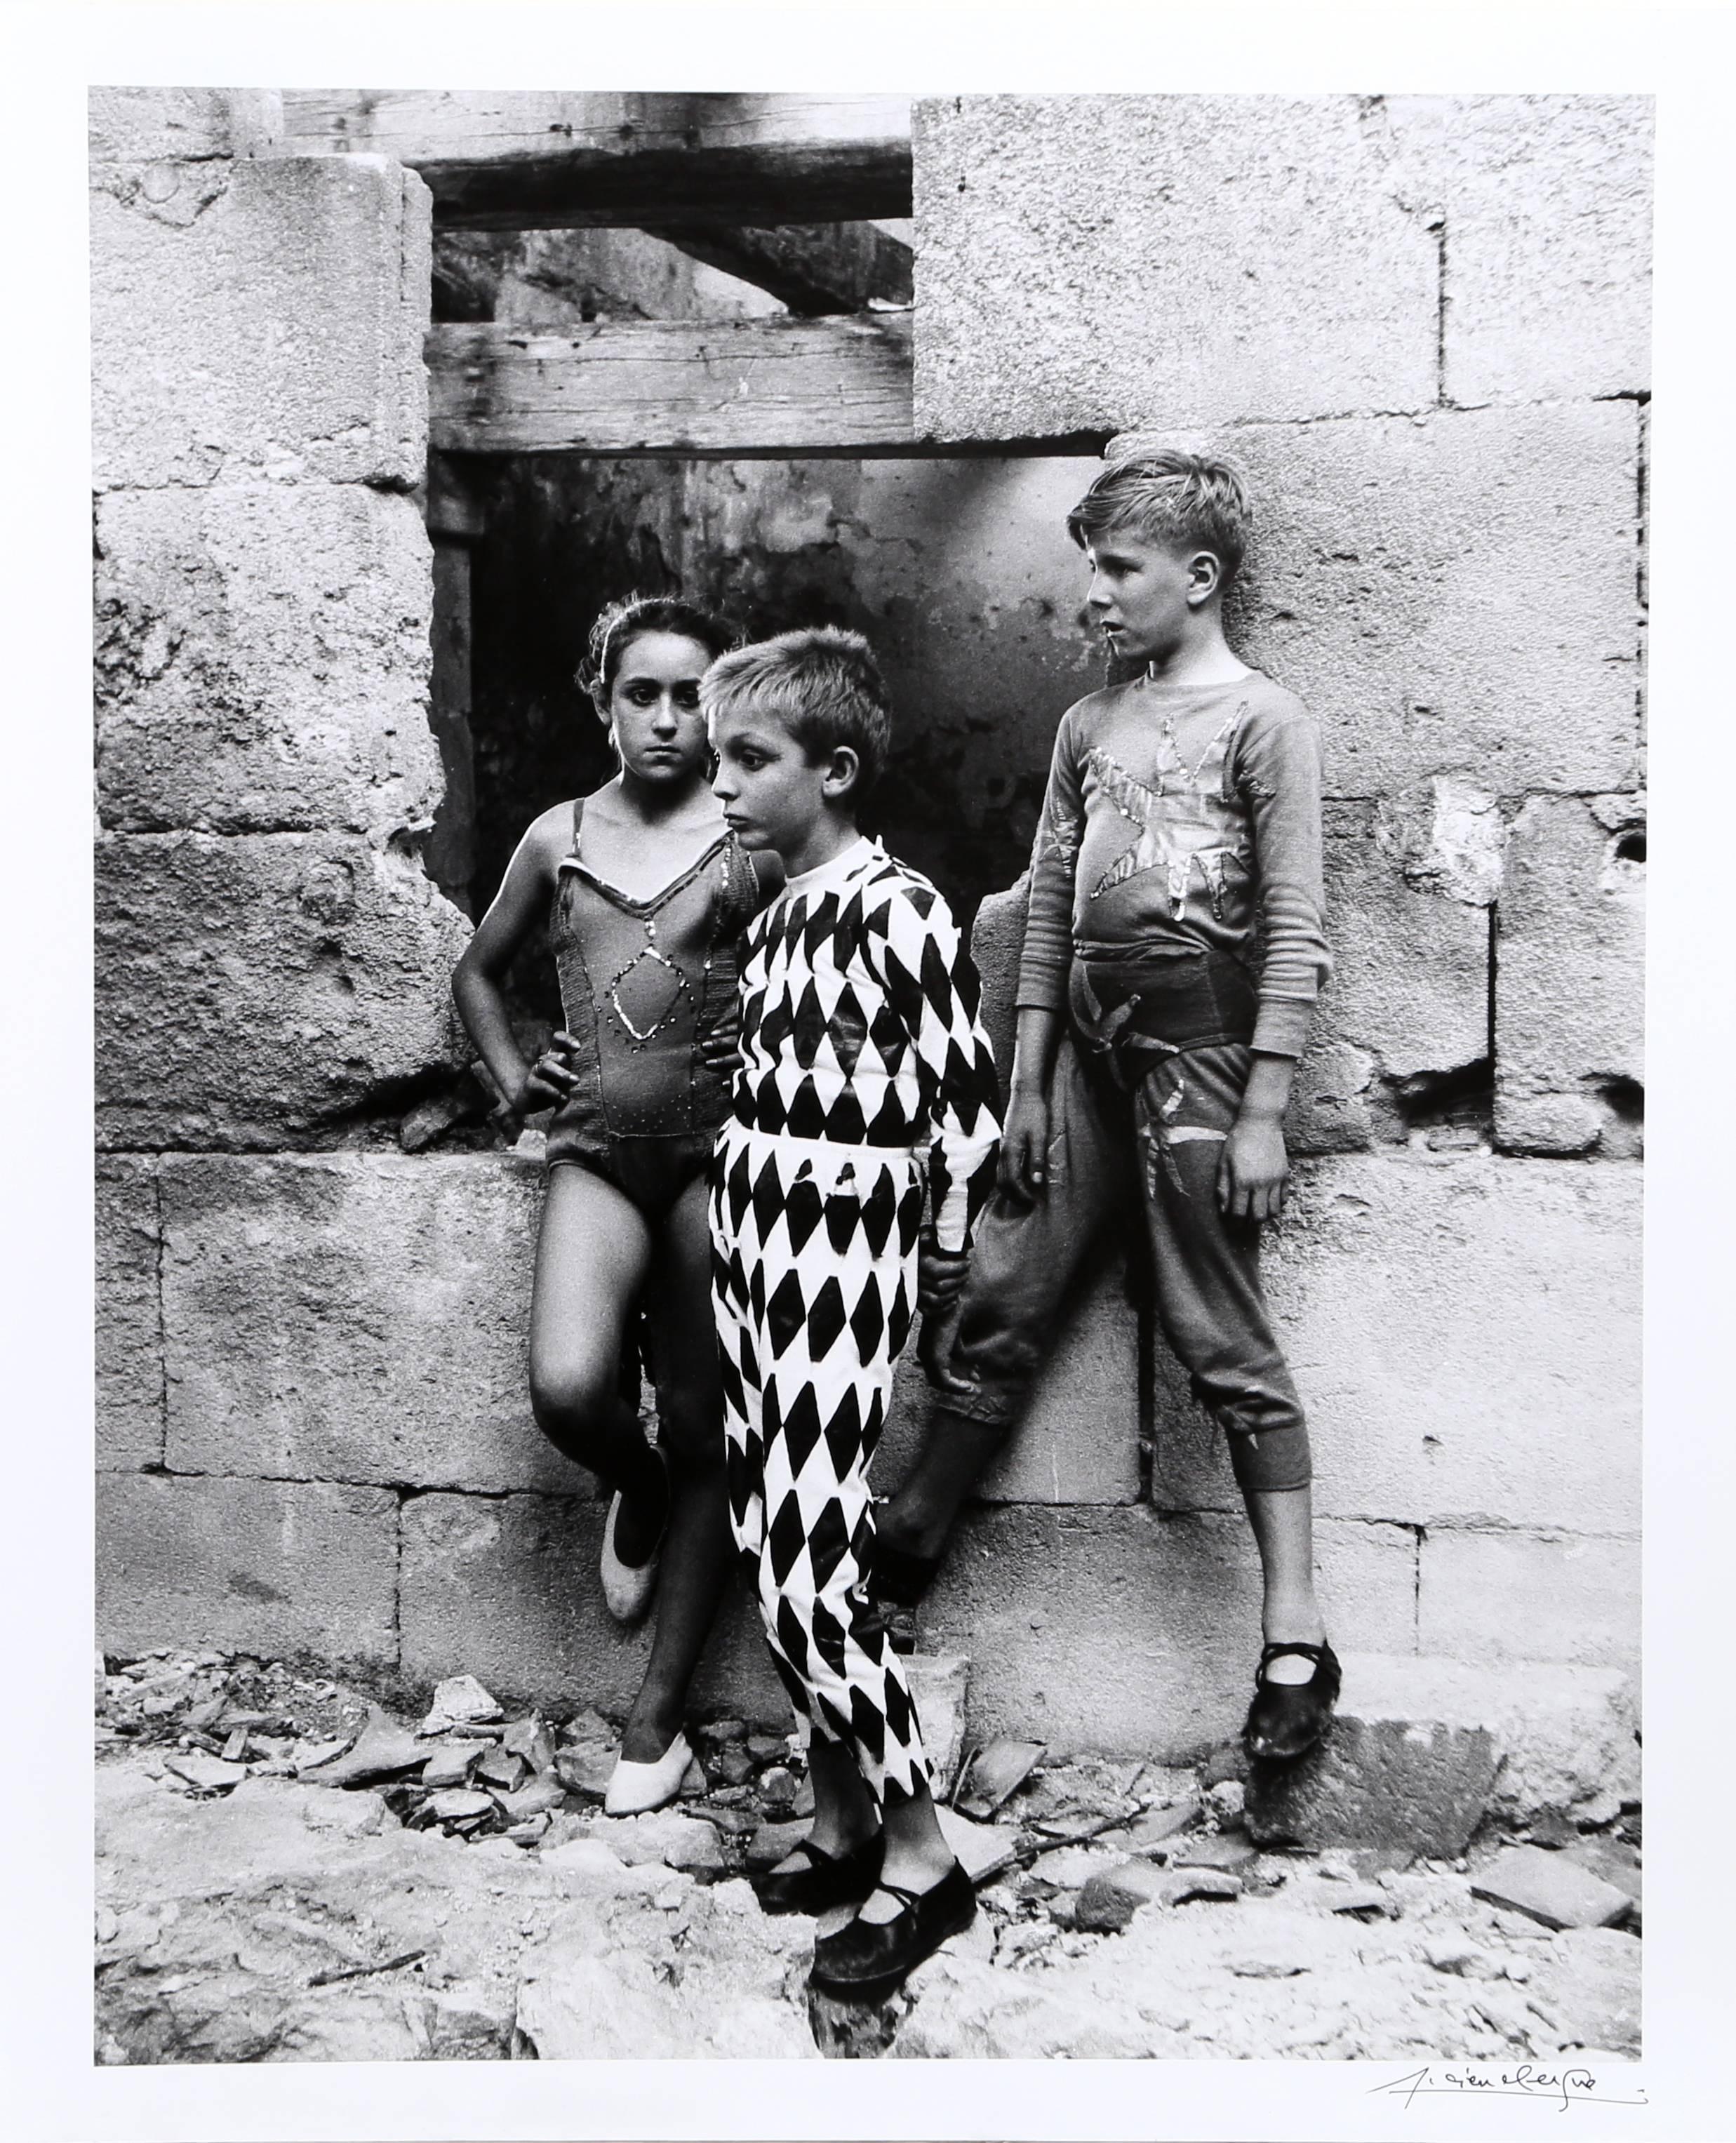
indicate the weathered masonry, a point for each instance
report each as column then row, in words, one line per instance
column 1421, row 323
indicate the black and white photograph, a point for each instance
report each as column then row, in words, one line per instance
column 869, row 1068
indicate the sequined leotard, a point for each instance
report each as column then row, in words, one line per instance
column 643, row 984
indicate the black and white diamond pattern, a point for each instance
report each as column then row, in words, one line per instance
column 814, row 1271
column 860, row 1026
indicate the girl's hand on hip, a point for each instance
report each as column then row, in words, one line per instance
column 550, row 1080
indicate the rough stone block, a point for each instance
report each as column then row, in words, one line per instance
column 1421, row 1748
column 1422, row 1784
column 252, row 990
column 259, row 320
column 356, row 1317
column 1272, row 270
column 1550, row 1887
column 1131, row 1632
column 1570, row 996
column 272, row 1567
column 506, row 1587
column 1409, row 984
column 1465, row 1334
column 152, row 125
column 1546, row 209
column 1452, row 594
column 997, row 944
column 129, row 1316
column 1110, row 1898
column 1079, row 1441
column 262, row 660
column 1503, row 1595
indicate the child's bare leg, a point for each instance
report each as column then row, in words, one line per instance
column 917, row 1854
column 1284, row 1529
column 920, row 1517
column 591, row 1254
column 696, row 1549
column 844, row 1816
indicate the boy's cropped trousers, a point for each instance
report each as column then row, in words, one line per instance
column 1120, row 1156
column 813, row 1267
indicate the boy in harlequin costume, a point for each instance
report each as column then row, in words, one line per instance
column 866, row 1083
column 1173, row 953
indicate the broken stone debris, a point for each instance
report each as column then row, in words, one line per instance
column 995, row 1774
column 676, row 1841
column 209, row 1775
column 983, row 1850
column 450, row 1764
column 1231, row 1852
column 1015, row 1941
column 381, row 1751
column 1113, row 1895
column 460, row 1701
column 1549, row 1887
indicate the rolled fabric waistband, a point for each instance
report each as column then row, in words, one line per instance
column 1157, row 1004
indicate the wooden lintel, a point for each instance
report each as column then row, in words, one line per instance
column 814, row 269
column 534, row 160
column 757, row 386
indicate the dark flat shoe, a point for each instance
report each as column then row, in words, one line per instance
column 865, row 1960
column 829, row 1879
column 1286, row 1718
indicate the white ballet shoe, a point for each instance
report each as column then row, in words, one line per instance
column 627, row 1587
column 635, row 1789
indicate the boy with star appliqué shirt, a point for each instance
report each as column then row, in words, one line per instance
column 1173, row 950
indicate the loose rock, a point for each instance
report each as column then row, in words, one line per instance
column 381, row 1751
column 460, row 1701
column 997, row 1772
column 1549, row 1887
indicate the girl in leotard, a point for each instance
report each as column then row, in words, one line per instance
column 645, row 893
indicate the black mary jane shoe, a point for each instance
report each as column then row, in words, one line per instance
column 1287, row 1718
column 829, row 1879
column 869, row 1958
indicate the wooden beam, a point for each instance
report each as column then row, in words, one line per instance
column 534, row 160
column 777, row 385
column 814, row 269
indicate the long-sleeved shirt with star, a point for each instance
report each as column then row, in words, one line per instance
column 1180, row 815
column 860, row 1025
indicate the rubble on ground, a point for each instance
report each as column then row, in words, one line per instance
column 290, row 1870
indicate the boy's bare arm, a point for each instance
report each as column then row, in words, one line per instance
column 1255, row 1165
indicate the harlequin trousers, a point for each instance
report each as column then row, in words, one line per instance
column 813, row 1266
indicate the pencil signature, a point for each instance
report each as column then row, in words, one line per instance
column 1559, row 2087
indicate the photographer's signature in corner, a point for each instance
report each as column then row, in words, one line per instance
column 1557, row 2087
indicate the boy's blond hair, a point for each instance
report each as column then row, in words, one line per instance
column 822, row 685
column 1168, row 495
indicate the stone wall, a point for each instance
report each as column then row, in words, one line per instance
column 1421, row 324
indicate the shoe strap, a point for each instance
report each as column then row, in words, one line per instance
column 897, row 1890
column 1316, row 1653
column 912, row 1897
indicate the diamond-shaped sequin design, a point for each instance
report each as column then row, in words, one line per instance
column 859, row 1030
